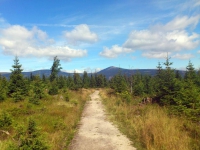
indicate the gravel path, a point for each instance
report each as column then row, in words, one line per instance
column 96, row 132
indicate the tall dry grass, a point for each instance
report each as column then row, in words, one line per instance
column 148, row 126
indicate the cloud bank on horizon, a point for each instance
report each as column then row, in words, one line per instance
column 165, row 27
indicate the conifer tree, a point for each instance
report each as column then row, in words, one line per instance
column 55, row 69
column 3, row 88
column 190, row 72
column 167, row 85
column 17, row 84
column 70, row 83
column 86, row 80
column 92, row 81
column 77, row 81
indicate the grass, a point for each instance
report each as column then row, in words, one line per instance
column 55, row 118
column 150, row 126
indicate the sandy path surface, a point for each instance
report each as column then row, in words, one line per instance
column 96, row 132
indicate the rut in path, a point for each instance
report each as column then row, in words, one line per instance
column 96, row 132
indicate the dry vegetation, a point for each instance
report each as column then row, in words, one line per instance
column 56, row 118
column 150, row 126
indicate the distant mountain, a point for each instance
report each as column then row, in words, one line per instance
column 111, row 71
column 108, row 72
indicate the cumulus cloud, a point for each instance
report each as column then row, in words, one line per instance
column 18, row 40
column 80, row 34
column 172, row 37
column 114, row 51
column 182, row 56
column 159, row 40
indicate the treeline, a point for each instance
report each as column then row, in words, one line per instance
column 35, row 87
column 167, row 88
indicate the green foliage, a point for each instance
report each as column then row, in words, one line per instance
column 3, row 88
column 29, row 138
column 67, row 96
column 55, row 69
column 61, row 81
column 190, row 72
column 86, row 80
column 126, row 97
column 38, row 88
column 17, row 88
column 17, row 95
column 5, row 120
column 77, row 81
column 54, row 88
column 118, row 83
column 92, row 81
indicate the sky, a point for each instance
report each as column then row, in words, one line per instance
column 90, row 35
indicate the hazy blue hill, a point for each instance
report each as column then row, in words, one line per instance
column 108, row 72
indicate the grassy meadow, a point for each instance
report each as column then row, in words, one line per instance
column 56, row 119
column 150, row 126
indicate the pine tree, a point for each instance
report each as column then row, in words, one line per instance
column 92, row 81
column 17, row 84
column 190, row 72
column 178, row 75
column 3, row 88
column 138, row 86
column 77, row 81
column 70, row 83
column 86, row 80
column 54, row 73
column 167, row 85
column 55, row 69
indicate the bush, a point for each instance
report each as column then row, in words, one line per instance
column 53, row 90
column 5, row 120
column 29, row 138
column 34, row 100
column 17, row 96
column 2, row 97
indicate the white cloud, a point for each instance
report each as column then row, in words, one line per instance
column 182, row 56
column 155, row 54
column 18, row 40
column 114, row 51
column 172, row 37
column 81, row 34
column 159, row 40
column 146, row 40
column 178, row 23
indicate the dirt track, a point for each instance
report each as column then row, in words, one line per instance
column 96, row 132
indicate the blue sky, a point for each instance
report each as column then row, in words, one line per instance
column 92, row 35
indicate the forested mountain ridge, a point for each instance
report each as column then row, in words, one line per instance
column 108, row 72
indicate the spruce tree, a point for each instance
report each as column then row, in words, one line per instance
column 86, row 80
column 3, row 88
column 55, row 69
column 92, row 81
column 77, row 81
column 190, row 72
column 167, row 85
column 17, row 85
